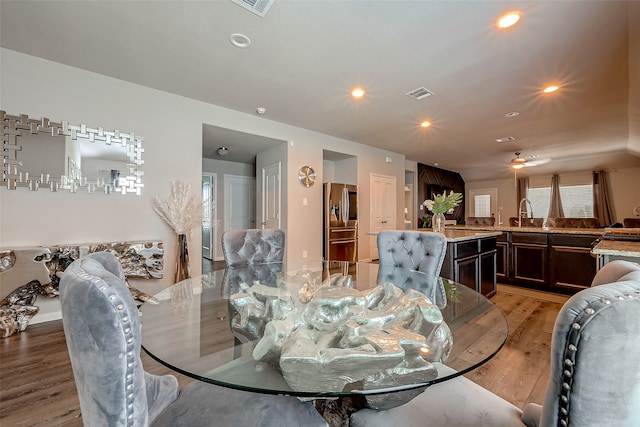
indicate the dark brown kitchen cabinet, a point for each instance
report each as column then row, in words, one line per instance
column 552, row 262
column 571, row 265
column 529, row 253
column 502, row 256
column 473, row 264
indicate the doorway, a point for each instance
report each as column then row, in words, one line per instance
column 239, row 206
column 383, row 208
column 271, row 196
column 209, row 215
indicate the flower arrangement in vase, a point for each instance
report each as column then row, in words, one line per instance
column 182, row 211
column 441, row 204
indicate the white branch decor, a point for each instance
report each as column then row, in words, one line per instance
column 182, row 210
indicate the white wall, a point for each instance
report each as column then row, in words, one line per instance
column 172, row 127
column 624, row 186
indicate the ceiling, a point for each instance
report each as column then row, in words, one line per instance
column 305, row 56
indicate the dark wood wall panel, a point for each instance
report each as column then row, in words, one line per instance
column 435, row 179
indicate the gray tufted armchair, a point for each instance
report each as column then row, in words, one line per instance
column 254, row 246
column 102, row 329
column 595, row 374
column 414, row 250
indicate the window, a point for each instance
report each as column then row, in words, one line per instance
column 577, row 200
column 540, row 199
column 482, row 205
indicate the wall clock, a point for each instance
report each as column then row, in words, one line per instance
column 306, row 176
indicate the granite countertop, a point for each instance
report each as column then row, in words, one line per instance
column 459, row 235
column 617, row 247
column 589, row 231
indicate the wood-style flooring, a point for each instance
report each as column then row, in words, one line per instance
column 37, row 386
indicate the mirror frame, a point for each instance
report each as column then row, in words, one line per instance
column 13, row 177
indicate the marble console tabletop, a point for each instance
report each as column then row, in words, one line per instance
column 618, row 248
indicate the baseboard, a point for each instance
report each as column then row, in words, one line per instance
column 46, row 317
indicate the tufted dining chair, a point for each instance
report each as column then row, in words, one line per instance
column 573, row 222
column 594, row 382
column 480, row 220
column 617, row 270
column 102, row 329
column 631, row 222
column 413, row 250
column 253, row 246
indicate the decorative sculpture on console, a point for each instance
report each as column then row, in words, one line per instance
column 27, row 273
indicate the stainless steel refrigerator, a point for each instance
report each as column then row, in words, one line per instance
column 340, row 222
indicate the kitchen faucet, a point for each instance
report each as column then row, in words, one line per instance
column 521, row 212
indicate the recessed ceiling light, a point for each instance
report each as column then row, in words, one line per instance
column 508, row 20
column 261, row 110
column 357, row 92
column 239, row 40
column 425, row 124
column 223, row 151
column 512, row 114
column 551, row 88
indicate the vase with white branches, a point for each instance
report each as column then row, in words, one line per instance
column 182, row 211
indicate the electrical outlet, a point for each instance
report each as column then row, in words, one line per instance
column 304, row 253
column 304, row 201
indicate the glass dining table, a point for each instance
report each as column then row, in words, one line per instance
column 343, row 335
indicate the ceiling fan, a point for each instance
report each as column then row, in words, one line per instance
column 521, row 162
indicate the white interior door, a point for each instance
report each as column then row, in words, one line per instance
column 209, row 215
column 239, row 205
column 383, row 208
column 271, row 196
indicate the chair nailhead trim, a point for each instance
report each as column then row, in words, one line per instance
column 573, row 339
column 120, row 306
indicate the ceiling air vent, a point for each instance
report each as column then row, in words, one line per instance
column 259, row 7
column 420, row 93
column 506, row 139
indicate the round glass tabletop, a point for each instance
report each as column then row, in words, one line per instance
column 321, row 329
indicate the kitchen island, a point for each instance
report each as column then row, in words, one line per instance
column 559, row 260
column 471, row 258
column 620, row 243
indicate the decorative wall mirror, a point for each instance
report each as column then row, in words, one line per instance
column 59, row 156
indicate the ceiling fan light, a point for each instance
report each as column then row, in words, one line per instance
column 518, row 165
column 508, row 20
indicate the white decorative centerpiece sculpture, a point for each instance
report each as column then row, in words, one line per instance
column 336, row 338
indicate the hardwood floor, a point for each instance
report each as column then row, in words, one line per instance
column 37, row 386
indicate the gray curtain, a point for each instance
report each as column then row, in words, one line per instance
column 555, row 207
column 523, row 191
column 603, row 198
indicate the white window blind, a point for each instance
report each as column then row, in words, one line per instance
column 482, row 205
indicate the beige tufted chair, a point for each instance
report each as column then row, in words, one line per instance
column 573, row 222
column 526, row 222
column 481, row 220
column 631, row 222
